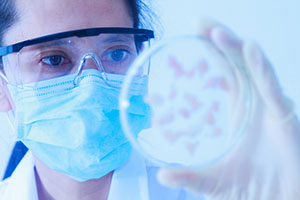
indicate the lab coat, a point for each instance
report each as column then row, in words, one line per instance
column 136, row 180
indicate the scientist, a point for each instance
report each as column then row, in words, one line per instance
column 62, row 66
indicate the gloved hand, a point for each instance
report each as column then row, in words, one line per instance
column 266, row 165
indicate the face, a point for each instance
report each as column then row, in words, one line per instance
column 40, row 18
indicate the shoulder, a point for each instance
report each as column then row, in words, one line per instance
column 3, row 186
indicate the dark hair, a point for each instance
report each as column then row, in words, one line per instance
column 140, row 13
column 8, row 16
column 138, row 10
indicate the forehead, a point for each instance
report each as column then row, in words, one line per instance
column 43, row 17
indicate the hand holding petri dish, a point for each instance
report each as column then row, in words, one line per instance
column 200, row 103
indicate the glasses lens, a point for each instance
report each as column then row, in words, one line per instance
column 53, row 59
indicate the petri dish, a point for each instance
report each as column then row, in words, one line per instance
column 200, row 103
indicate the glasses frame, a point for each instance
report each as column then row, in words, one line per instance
column 141, row 35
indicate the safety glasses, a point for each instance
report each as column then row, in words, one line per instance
column 110, row 50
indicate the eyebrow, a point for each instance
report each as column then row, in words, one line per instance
column 113, row 38
column 105, row 39
column 61, row 42
column 55, row 43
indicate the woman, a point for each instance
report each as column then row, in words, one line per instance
column 91, row 158
column 61, row 87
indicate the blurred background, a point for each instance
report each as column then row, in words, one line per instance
column 274, row 24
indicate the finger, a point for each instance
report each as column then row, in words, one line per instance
column 229, row 44
column 199, row 182
column 224, row 39
column 279, row 107
column 206, row 25
column 266, row 81
column 231, row 48
column 176, row 178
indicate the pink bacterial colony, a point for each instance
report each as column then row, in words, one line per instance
column 193, row 104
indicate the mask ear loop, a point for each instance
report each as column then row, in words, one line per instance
column 19, row 78
column 3, row 77
column 83, row 60
column 11, row 115
column 149, row 62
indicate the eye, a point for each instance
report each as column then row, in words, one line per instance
column 55, row 60
column 117, row 55
column 116, row 60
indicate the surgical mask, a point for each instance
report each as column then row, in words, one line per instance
column 75, row 129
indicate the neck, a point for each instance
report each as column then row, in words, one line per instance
column 55, row 185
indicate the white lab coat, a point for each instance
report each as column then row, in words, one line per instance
column 136, row 180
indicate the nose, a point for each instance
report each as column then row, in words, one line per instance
column 89, row 61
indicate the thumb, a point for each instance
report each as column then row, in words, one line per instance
column 266, row 81
column 195, row 181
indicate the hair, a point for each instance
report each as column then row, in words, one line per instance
column 8, row 16
column 140, row 13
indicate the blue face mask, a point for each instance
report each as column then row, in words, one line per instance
column 76, row 130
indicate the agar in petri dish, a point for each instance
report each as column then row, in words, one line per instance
column 200, row 103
